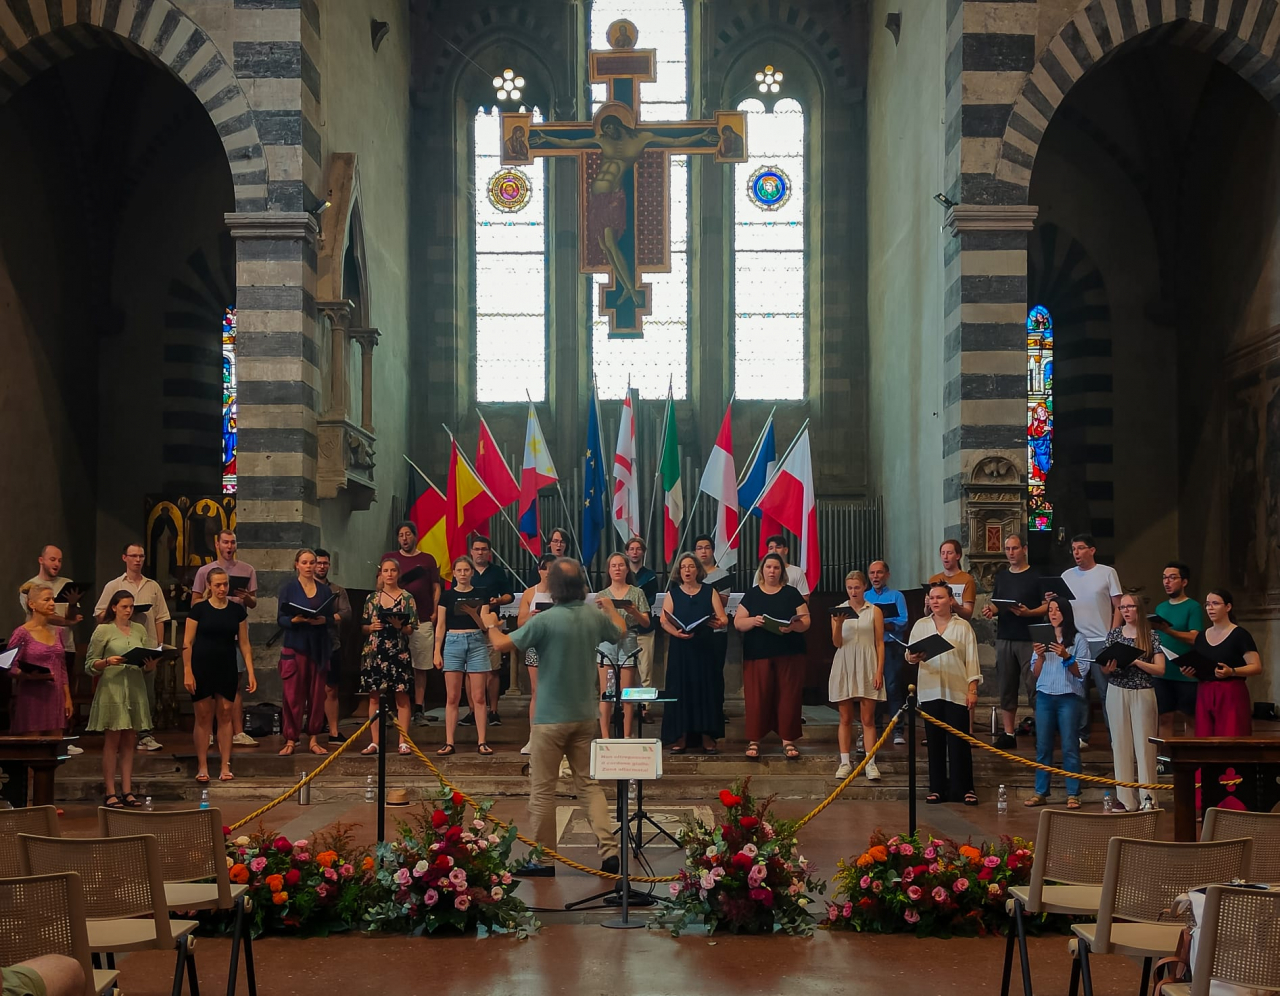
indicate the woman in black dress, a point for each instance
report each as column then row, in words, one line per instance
column 694, row 675
column 216, row 626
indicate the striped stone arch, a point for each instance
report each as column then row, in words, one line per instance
column 37, row 34
column 1241, row 34
column 747, row 21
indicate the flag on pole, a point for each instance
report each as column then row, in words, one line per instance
column 593, row 485
column 672, row 492
column 537, row 471
column 626, row 496
column 791, row 500
column 757, row 476
column 492, row 469
column 468, row 502
column 429, row 520
column 720, row 481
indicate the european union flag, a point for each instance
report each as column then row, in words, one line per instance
column 594, row 488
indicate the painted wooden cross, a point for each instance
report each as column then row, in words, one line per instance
column 624, row 172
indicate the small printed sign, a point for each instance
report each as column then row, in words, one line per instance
column 626, row 759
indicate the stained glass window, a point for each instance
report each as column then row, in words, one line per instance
column 229, row 402
column 768, row 246
column 662, row 354
column 1039, row 416
column 510, row 270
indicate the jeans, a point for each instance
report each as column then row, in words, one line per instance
column 895, row 677
column 1100, row 683
column 1058, row 715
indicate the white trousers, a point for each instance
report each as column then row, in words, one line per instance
column 1133, row 719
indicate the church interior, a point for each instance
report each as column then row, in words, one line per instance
column 1009, row 269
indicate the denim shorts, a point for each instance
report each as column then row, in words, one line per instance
column 466, row 650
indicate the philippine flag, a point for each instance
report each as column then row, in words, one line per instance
column 537, row 471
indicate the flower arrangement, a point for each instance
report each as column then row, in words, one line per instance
column 303, row 887
column 446, row 871
column 743, row 875
column 931, row 887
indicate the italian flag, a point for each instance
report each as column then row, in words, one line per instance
column 673, row 494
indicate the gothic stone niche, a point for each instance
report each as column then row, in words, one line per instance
column 993, row 510
column 344, row 450
column 1253, row 490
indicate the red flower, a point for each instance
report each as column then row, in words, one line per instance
column 742, row 861
column 458, row 800
column 292, row 877
column 729, row 800
column 226, row 831
column 282, row 845
column 749, row 822
column 985, row 874
column 864, row 902
column 453, row 834
column 439, row 818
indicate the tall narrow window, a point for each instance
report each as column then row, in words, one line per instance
column 662, row 355
column 1039, row 416
column 229, row 402
column 511, row 270
column 768, row 255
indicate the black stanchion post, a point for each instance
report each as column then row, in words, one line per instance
column 382, row 764
column 911, row 760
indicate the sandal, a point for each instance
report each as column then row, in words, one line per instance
column 676, row 750
column 484, row 749
column 203, row 778
column 933, row 799
column 131, row 801
column 404, row 749
column 370, row 750
column 226, row 776
column 710, row 750
column 446, row 750
column 753, row 751
column 1073, row 802
column 970, row 799
column 113, row 802
column 317, row 749
column 1039, row 800
column 287, row 749
column 791, row 752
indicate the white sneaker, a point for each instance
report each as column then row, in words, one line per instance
column 244, row 740
column 73, row 749
column 525, row 749
column 148, row 743
column 871, row 771
column 844, row 771
column 898, row 738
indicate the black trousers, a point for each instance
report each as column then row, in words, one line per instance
column 950, row 758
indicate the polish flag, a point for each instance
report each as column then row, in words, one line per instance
column 720, row 481
column 626, row 496
column 790, row 499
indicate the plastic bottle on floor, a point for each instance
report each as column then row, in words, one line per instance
column 1002, row 801
column 370, row 790
column 1107, row 804
column 146, row 805
column 204, row 798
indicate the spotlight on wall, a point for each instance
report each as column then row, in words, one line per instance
column 377, row 32
column 893, row 21
column 320, row 209
column 944, row 200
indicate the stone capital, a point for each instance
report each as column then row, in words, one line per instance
column 991, row 218
column 338, row 312
column 367, row 338
column 272, row 225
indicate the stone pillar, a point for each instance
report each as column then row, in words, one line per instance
column 984, row 395
column 278, row 368
column 339, row 315
column 367, row 338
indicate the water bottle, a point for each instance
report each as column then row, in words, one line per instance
column 146, row 805
column 370, row 790
column 995, row 721
column 1106, row 801
column 611, row 685
column 204, row 798
column 1002, row 801
column 275, row 724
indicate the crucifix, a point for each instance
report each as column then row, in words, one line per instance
column 624, row 172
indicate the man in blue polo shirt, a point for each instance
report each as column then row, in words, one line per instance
column 894, row 609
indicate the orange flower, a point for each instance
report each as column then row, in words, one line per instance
column 280, row 898
column 864, row 860
column 275, row 882
column 879, row 853
column 325, row 858
column 239, row 874
column 366, row 864
column 972, row 853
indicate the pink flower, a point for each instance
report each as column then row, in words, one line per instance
column 459, row 879
column 848, row 909
column 864, row 882
column 893, row 848
column 675, row 888
column 431, row 897
column 933, row 868
column 914, row 892
column 960, row 885
column 895, row 840
column 717, row 872
column 461, row 901
column 303, row 856
column 707, row 881
column 750, row 850
column 756, row 875
column 906, row 849
column 766, row 831
column 402, row 876
column 257, row 864
column 331, row 875
column 991, row 861
column 478, row 824
column 833, row 913
column 322, row 890
column 877, row 886
column 908, row 874
column 930, row 852
column 939, row 894
column 496, row 892
column 300, row 845
column 506, row 878
column 346, row 871
column 443, row 883
column 911, row 916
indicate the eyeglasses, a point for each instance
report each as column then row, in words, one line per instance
column 1171, row 577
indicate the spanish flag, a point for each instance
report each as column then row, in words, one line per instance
column 468, row 502
column 428, row 516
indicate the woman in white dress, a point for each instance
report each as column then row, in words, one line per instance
column 857, row 673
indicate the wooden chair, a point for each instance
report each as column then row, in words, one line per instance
column 39, row 820
column 44, row 915
column 1143, row 880
column 192, row 850
column 1239, row 942
column 1264, row 828
column 1070, row 849
column 124, row 895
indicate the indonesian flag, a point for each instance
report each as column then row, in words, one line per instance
column 791, row 500
column 720, row 481
column 493, row 470
column 626, row 496
column 537, row 471
column 468, row 502
column 673, row 493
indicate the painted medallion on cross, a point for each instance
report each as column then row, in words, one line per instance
column 624, row 171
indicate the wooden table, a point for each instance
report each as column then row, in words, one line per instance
column 1254, row 783
column 42, row 755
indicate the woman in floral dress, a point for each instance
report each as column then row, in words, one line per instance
column 390, row 615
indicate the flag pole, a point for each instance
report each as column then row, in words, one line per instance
column 684, row 535
column 523, row 545
column 501, row 511
column 560, row 491
column 769, row 483
column 759, row 439
column 422, row 474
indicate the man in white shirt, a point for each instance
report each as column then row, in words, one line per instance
column 50, row 561
column 795, row 576
column 1097, row 610
column 145, row 592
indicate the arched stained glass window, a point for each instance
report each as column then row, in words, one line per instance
column 229, row 402
column 768, row 255
column 1039, row 416
column 510, row 270
column 662, row 354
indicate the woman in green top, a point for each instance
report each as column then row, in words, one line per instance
column 632, row 603
column 120, row 701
